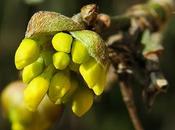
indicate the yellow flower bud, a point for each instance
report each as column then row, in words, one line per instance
column 35, row 92
column 91, row 71
column 62, row 42
column 100, row 84
column 61, row 60
column 79, row 52
column 27, row 52
column 59, row 86
column 47, row 57
column 37, row 88
column 32, row 70
column 82, row 101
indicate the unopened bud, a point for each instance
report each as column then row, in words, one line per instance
column 82, row 101
column 100, row 84
column 27, row 52
column 62, row 42
column 79, row 52
column 32, row 70
column 61, row 60
column 73, row 88
column 59, row 86
column 91, row 71
column 37, row 88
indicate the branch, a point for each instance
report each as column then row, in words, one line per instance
column 135, row 33
column 127, row 95
column 117, row 23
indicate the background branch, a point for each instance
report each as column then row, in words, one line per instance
column 128, row 99
column 126, row 51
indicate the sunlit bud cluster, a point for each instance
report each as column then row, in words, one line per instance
column 64, row 69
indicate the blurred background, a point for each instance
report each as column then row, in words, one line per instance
column 108, row 112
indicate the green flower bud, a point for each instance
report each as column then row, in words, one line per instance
column 27, row 52
column 79, row 52
column 62, row 42
column 59, row 86
column 32, row 70
column 47, row 57
column 91, row 71
column 73, row 88
column 61, row 60
column 37, row 88
column 82, row 101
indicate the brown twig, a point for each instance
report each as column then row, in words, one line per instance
column 125, row 49
column 127, row 95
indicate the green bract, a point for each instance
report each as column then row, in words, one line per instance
column 74, row 61
column 94, row 44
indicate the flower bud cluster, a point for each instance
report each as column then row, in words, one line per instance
column 63, row 68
